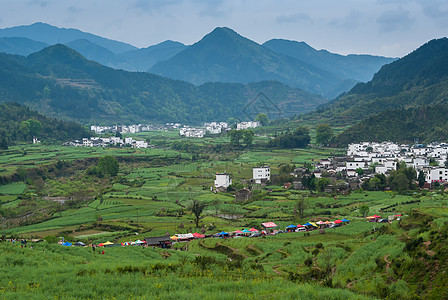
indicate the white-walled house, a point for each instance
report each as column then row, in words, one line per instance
column 247, row 125
column 222, row 180
column 437, row 174
column 261, row 174
column 353, row 165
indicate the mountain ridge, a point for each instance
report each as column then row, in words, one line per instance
column 59, row 81
column 353, row 66
column 225, row 56
column 43, row 32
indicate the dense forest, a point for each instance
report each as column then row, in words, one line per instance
column 20, row 124
column 425, row 124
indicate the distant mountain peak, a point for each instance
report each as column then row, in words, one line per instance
column 58, row 53
column 50, row 34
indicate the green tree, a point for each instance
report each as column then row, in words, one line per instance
column 364, row 210
column 359, row 171
column 35, row 127
column 421, row 179
column 3, row 144
column 248, row 137
column 399, row 182
column 300, row 138
column 109, row 165
column 235, row 137
column 197, row 208
column 322, row 183
column 46, row 92
column 324, row 134
column 263, row 119
column 374, row 184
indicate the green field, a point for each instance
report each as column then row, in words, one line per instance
column 59, row 194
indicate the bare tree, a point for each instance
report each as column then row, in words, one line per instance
column 300, row 207
column 196, row 208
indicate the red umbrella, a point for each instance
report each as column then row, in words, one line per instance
column 300, row 225
column 198, row 235
column 253, row 230
column 337, row 221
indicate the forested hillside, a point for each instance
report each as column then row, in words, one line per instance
column 20, row 124
column 58, row 81
column 426, row 124
column 420, row 78
column 225, row 56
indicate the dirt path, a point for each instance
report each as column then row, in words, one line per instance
column 388, row 263
column 274, row 268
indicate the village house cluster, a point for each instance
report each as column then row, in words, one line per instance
column 364, row 160
column 109, row 141
column 123, row 128
column 213, row 128
column 247, row 125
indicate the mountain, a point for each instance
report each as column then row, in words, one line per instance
column 358, row 67
column 225, row 56
column 94, row 52
column 145, row 58
column 51, row 35
column 420, row 78
column 58, row 81
column 20, row 46
column 16, row 127
column 24, row 40
column 134, row 60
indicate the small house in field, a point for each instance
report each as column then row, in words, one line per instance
column 222, row 180
column 243, row 195
column 261, row 174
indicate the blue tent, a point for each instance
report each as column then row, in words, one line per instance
column 345, row 220
column 308, row 224
column 223, row 233
column 291, row 226
column 67, row 244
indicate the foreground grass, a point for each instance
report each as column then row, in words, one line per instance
column 53, row 271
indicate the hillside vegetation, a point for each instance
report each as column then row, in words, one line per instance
column 225, row 56
column 425, row 124
column 59, row 81
column 20, row 124
column 418, row 79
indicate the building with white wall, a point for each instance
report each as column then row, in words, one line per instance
column 261, row 174
column 222, row 180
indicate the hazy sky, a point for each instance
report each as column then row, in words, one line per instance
column 380, row 27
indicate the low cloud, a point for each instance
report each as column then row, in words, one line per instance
column 351, row 21
column 294, row 18
column 151, row 6
column 395, row 20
